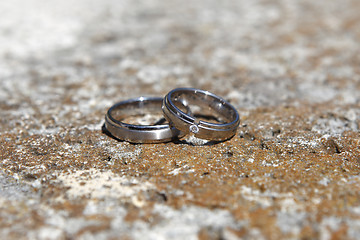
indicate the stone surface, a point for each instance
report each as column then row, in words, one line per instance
column 290, row 67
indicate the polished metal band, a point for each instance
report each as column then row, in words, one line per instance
column 138, row 133
column 183, row 107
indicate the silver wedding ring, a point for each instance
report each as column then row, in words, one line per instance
column 185, row 107
column 187, row 110
column 138, row 133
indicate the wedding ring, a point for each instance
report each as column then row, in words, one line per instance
column 184, row 107
column 138, row 133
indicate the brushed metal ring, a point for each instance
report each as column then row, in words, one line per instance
column 183, row 108
column 138, row 133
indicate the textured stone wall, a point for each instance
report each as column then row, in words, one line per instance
column 290, row 67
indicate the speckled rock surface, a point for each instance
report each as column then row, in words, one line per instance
column 290, row 67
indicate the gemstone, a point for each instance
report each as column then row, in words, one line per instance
column 194, row 129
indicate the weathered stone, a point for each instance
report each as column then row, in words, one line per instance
column 291, row 68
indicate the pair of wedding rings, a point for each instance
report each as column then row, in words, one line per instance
column 183, row 108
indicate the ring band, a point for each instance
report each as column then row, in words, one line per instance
column 179, row 103
column 138, row 133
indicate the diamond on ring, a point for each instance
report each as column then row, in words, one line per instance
column 194, row 129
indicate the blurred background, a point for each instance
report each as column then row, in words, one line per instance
column 82, row 56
